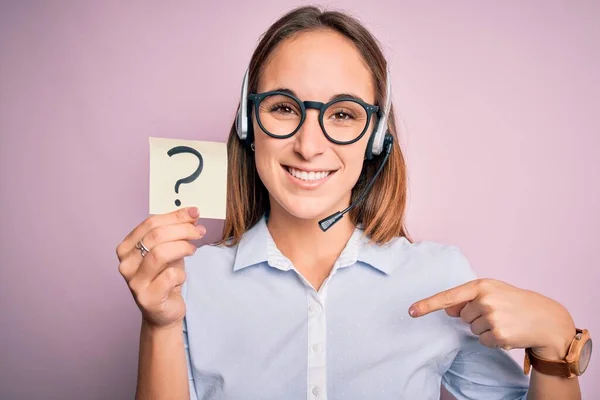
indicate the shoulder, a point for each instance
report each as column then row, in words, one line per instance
column 444, row 265
column 448, row 256
column 437, row 263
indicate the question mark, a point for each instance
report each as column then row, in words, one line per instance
column 194, row 175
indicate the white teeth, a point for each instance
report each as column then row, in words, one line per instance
column 307, row 176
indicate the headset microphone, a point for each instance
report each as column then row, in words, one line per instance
column 328, row 222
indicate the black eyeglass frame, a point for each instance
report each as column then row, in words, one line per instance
column 257, row 98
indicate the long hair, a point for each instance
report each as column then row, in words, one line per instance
column 382, row 212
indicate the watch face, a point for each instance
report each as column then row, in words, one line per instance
column 586, row 354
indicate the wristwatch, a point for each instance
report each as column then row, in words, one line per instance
column 574, row 364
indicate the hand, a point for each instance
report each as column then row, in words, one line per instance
column 506, row 316
column 155, row 280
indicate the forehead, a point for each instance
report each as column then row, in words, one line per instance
column 317, row 65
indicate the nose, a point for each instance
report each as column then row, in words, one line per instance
column 310, row 141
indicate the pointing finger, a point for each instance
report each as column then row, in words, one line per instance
column 448, row 298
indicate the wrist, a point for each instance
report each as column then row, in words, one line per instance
column 558, row 346
column 161, row 330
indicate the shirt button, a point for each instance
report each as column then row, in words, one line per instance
column 312, row 308
column 316, row 347
column 316, row 391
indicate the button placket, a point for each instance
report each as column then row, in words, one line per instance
column 316, row 340
column 316, row 391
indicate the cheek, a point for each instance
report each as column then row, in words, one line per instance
column 266, row 157
column 353, row 173
column 353, row 163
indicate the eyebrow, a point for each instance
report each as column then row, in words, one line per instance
column 334, row 97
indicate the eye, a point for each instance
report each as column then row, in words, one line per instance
column 282, row 108
column 343, row 114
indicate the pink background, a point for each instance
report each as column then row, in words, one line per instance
column 500, row 106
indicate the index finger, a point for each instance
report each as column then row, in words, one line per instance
column 447, row 298
column 189, row 214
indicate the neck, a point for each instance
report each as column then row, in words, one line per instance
column 303, row 241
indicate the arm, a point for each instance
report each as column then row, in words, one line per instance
column 151, row 260
column 554, row 387
column 162, row 369
column 483, row 369
column 499, row 315
column 480, row 372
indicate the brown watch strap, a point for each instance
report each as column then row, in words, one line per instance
column 547, row 367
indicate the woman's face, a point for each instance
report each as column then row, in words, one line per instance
column 316, row 66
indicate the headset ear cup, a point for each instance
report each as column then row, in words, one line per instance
column 249, row 128
column 369, row 151
column 244, row 131
column 243, row 120
column 238, row 124
column 250, row 136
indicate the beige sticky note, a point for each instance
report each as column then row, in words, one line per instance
column 185, row 173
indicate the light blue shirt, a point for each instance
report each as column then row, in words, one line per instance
column 255, row 328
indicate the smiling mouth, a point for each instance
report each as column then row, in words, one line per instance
column 312, row 176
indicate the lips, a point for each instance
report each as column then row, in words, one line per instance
column 307, row 175
column 308, row 179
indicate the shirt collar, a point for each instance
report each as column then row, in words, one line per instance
column 252, row 247
column 257, row 246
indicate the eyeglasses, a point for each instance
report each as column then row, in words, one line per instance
column 343, row 120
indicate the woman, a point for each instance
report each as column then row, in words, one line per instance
column 286, row 308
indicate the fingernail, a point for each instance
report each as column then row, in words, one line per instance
column 413, row 311
column 201, row 230
column 193, row 212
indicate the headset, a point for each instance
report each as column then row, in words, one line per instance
column 380, row 141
